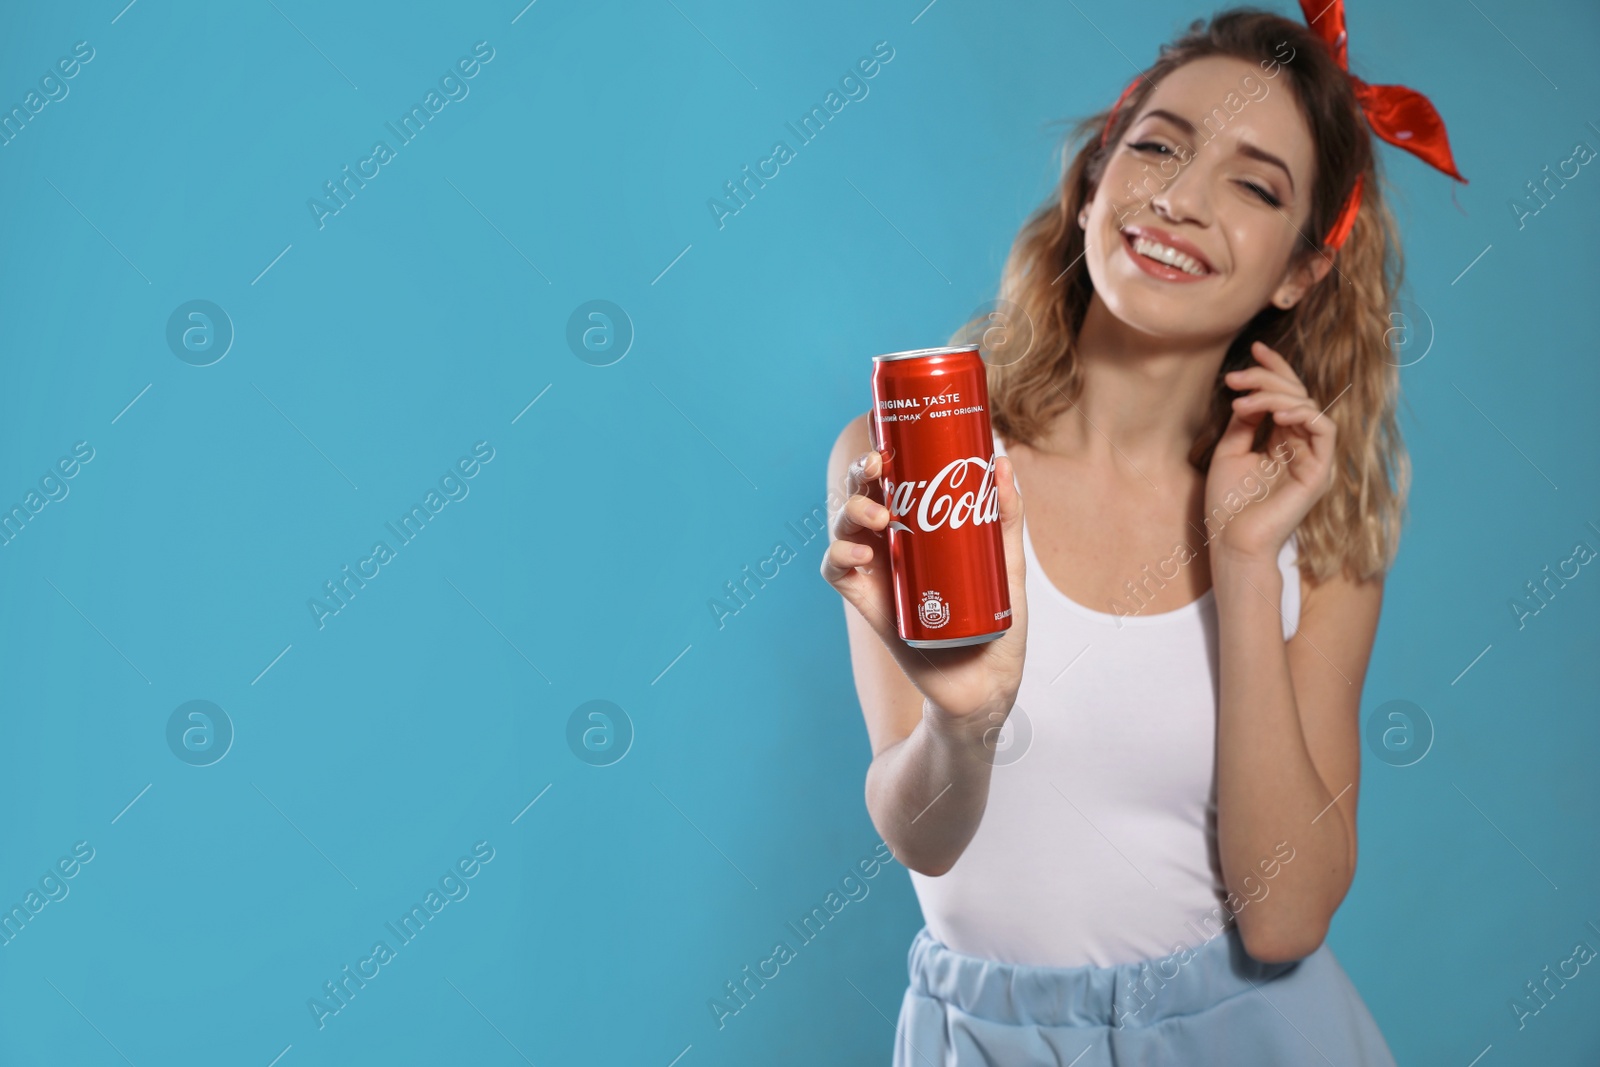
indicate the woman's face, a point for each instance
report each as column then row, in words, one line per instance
column 1203, row 204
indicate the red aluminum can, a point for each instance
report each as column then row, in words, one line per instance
column 930, row 419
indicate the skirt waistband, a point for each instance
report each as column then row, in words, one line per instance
column 1186, row 982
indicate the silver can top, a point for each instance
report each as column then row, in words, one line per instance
column 915, row 352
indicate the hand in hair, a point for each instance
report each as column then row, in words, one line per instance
column 1255, row 500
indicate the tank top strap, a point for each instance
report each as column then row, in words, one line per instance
column 1289, row 567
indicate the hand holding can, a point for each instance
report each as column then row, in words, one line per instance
column 963, row 648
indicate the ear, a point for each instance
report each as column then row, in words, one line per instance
column 1310, row 269
column 1087, row 203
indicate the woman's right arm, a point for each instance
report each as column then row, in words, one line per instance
column 932, row 714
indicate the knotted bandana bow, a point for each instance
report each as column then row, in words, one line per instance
column 1403, row 117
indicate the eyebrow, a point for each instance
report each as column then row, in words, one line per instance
column 1245, row 147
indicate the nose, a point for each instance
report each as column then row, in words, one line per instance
column 1185, row 197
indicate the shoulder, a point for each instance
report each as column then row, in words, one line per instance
column 1339, row 605
column 1340, row 596
column 857, row 434
column 854, row 439
column 1339, row 624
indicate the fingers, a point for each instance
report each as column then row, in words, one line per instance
column 840, row 557
column 1005, row 483
column 1252, row 378
column 857, row 566
column 1011, row 516
column 1237, row 437
column 858, row 525
column 864, row 472
column 1273, row 378
column 1258, row 404
column 1323, row 432
column 857, row 546
column 1301, row 417
column 861, row 576
column 860, row 518
column 1272, row 372
column 1249, row 410
column 1273, row 360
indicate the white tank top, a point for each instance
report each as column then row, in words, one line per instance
column 1098, row 845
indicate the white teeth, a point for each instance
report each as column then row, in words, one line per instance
column 1170, row 256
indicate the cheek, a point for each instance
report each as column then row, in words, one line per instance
column 1260, row 243
column 1101, row 247
column 1119, row 200
column 1121, row 190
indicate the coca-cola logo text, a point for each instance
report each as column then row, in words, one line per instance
column 940, row 501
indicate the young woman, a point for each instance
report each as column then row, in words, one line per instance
column 1142, row 864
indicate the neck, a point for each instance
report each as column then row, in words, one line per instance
column 1146, row 397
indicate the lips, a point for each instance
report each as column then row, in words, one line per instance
column 1162, row 254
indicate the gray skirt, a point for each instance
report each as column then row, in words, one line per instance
column 1211, row 1006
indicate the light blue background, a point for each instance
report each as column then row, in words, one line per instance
column 417, row 721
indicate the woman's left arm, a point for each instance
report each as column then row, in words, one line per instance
column 1288, row 729
column 1288, row 753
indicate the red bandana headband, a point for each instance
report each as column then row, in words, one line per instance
column 1403, row 117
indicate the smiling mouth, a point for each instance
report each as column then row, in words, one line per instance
column 1152, row 251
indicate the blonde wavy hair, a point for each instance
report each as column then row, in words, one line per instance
column 1334, row 337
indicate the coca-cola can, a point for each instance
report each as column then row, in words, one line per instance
column 930, row 421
